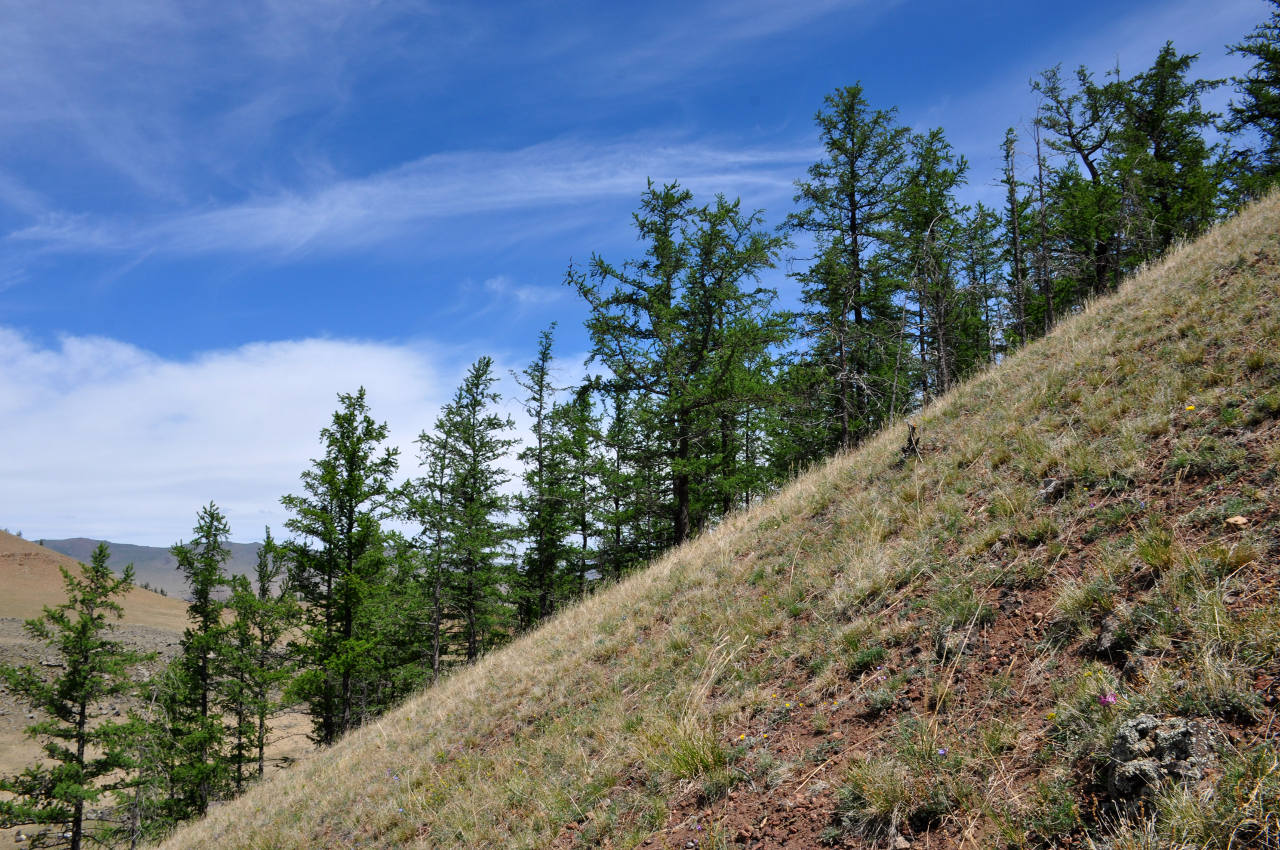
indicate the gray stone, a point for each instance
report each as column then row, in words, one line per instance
column 951, row 644
column 1112, row 637
column 1149, row 751
column 1053, row 489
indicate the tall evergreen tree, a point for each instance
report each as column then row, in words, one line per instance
column 427, row 505
column 1083, row 124
column 1258, row 107
column 545, row 503
column 578, row 428
column 338, row 558
column 675, row 327
column 846, row 205
column 1170, row 183
column 478, row 573
column 980, row 335
column 85, row 752
column 1015, row 211
column 927, row 247
column 264, row 610
column 200, row 770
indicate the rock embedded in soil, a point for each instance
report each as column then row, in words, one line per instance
column 1147, row 751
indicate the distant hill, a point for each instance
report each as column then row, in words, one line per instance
column 32, row 580
column 153, row 565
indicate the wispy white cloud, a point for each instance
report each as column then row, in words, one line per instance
column 360, row 212
column 693, row 42
column 162, row 94
column 506, row 291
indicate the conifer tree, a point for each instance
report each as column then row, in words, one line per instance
column 338, row 558
column 426, row 503
column 545, row 502
column 1015, row 211
column 257, row 667
column 1258, row 107
column 1082, row 124
column 477, row 567
column 578, row 428
column 676, row 327
column 847, row 204
column 927, row 237
column 628, row 472
column 981, row 333
column 200, row 770
column 1162, row 153
column 85, row 751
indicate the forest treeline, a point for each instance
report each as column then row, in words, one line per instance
column 703, row 396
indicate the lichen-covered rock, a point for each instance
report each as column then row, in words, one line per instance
column 1113, row 637
column 1149, row 751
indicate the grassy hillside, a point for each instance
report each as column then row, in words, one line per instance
column 925, row 653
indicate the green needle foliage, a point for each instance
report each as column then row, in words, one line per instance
column 339, row 557
column 86, row 752
column 195, row 723
column 478, row 573
column 685, row 341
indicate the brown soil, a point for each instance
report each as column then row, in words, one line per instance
column 821, row 741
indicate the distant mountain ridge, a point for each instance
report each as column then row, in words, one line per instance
column 153, row 565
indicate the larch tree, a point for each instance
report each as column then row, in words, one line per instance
column 263, row 609
column 478, row 571
column 675, row 326
column 338, row 555
column 846, row 205
column 926, row 246
column 1258, row 106
column 86, row 752
column 546, row 500
column 1171, row 186
column 1082, row 124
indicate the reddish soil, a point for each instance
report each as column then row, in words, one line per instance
column 800, row 811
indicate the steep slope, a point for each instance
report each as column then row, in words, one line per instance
column 933, row 651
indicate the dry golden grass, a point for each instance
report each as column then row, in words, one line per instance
column 613, row 711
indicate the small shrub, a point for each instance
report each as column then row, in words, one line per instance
column 878, row 702
column 879, row 795
column 1264, row 408
column 686, row 751
column 865, row 659
column 1041, row 530
column 1054, row 814
column 957, row 607
column 1082, row 602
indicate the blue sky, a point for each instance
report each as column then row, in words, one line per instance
column 216, row 215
